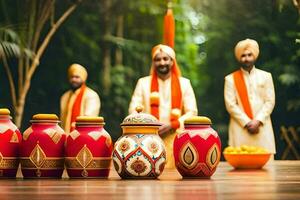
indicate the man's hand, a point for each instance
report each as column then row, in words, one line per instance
column 163, row 129
column 253, row 126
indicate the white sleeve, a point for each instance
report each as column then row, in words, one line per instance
column 137, row 97
column 92, row 104
column 269, row 100
column 189, row 103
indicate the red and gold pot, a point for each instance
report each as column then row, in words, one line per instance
column 88, row 149
column 10, row 139
column 42, row 148
column 197, row 148
column 139, row 152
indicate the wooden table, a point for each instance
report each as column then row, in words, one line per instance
column 281, row 180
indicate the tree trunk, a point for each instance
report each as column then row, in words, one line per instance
column 19, row 108
column 106, row 81
column 120, row 30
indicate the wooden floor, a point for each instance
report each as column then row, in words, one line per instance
column 281, row 180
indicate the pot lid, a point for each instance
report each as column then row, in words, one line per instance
column 4, row 111
column 139, row 118
column 45, row 118
column 90, row 120
column 201, row 120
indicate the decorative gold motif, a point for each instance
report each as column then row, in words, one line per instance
column 189, row 155
column 14, row 138
column 9, row 163
column 213, row 156
column 84, row 157
column 74, row 134
column 138, row 166
column 27, row 133
column 53, row 134
column 124, row 146
column 37, row 156
column 1, row 158
column 96, row 163
column 153, row 147
column 49, row 163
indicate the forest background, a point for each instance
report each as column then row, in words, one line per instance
column 40, row 39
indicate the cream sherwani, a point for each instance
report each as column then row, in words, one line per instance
column 90, row 105
column 261, row 96
column 141, row 97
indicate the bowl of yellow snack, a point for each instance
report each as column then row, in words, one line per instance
column 246, row 157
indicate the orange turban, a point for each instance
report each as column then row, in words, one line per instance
column 77, row 70
column 247, row 44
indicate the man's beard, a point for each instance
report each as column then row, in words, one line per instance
column 163, row 69
column 247, row 65
column 75, row 86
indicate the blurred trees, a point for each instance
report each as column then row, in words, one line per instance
column 29, row 25
column 113, row 39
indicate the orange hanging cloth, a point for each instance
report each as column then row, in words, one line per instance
column 169, row 28
column 242, row 92
column 77, row 106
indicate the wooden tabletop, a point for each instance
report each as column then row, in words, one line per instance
column 279, row 180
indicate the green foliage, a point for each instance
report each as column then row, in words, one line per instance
column 206, row 33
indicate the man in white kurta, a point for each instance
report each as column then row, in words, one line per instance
column 164, row 63
column 80, row 97
column 253, row 129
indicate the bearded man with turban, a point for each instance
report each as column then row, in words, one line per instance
column 166, row 95
column 250, row 98
column 79, row 100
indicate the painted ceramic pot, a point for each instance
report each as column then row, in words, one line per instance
column 197, row 149
column 10, row 139
column 139, row 152
column 42, row 148
column 88, row 149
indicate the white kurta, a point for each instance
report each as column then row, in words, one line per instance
column 141, row 97
column 90, row 106
column 261, row 96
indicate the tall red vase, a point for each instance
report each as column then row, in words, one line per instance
column 42, row 148
column 88, row 149
column 10, row 139
column 197, row 149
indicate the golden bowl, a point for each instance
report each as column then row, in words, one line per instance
column 247, row 161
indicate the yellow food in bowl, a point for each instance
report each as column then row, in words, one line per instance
column 244, row 149
column 246, row 157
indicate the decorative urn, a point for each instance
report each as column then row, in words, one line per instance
column 42, row 148
column 197, row 148
column 10, row 139
column 88, row 149
column 139, row 152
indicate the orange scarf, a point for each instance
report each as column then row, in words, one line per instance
column 242, row 92
column 76, row 106
column 176, row 96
